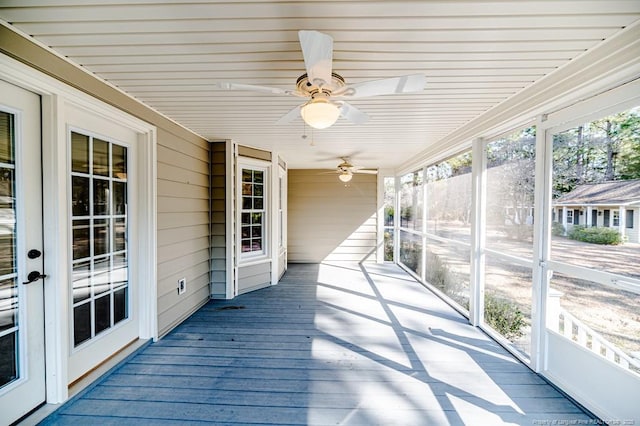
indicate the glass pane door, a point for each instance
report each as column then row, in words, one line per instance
column 100, row 286
column 22, row 372
column 9, row 302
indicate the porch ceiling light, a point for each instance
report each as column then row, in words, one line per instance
column 345, row 176
column 319, row 113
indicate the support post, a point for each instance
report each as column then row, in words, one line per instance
column 396, row 220
column 478, row 208
column 622, row 221
column 541, row 243
column 423, row 228
column 553, row 309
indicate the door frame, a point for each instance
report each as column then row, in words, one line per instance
column 57, row 98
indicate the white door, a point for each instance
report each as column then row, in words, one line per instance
column 102, row 296
column 22, row 373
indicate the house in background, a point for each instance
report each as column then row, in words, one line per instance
column 134, row 190
column 609, row 204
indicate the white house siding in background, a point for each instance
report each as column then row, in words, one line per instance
column 330, row 220
column 601, row 217
column 613, row 204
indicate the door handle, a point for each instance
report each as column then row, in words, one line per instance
column 34, row 254
column 34, row 276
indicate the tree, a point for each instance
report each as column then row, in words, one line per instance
column 630, row 162
column 629, row 157
column 580, row 155
column 511, row 176
column 603, row 150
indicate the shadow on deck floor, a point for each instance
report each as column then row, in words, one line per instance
column 330, row 344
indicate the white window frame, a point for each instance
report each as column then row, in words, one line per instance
column 265, row 167
column 615, row 218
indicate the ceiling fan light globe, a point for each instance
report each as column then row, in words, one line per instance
column 345, row 177
column 319, row 113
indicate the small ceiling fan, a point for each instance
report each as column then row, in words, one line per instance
column 346, row 170
column 327, row 91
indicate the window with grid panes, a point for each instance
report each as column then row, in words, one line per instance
column 100, row 284
column 253, row 211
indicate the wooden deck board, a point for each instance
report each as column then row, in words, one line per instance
column 330, row 344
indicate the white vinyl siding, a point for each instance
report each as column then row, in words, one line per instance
column 183, row 227
column 218, row 227
column 329, row 220
column 254, row 277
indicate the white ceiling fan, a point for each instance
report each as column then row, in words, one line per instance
column 346, row 170
column 327, row 91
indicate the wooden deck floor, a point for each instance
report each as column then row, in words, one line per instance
column 330, row 344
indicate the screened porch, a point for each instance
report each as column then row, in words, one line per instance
column 330, row 344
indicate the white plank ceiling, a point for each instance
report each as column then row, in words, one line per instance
column 170, row 55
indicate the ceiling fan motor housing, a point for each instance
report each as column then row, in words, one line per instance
column 345, row 166
column 308, row 88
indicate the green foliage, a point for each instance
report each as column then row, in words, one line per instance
column 557, row 229
column 519, row 147
column 511, row 179
column 388, row 246
column 388, row 215
column 520, row 232
column 406, row 212
column 608, row 236
column 439, row 275
column 410, row 255
column 503, row 316
column 455, row 166
column 461, row 164
column 602, row 150
column 630, row 160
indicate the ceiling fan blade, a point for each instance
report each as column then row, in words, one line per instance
column 366, row 171
column 317, row 49
column 290, row 116
column 353, row 114
column 225, row 85
column 388, row 86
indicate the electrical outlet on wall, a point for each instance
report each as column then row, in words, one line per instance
column 182, row 285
